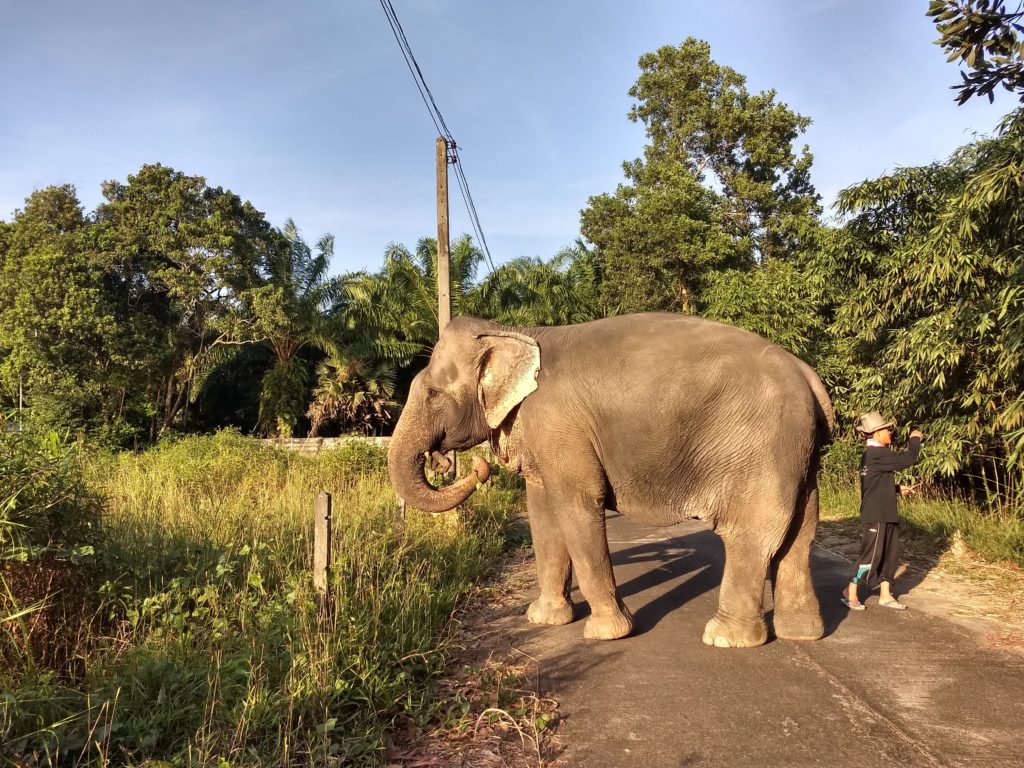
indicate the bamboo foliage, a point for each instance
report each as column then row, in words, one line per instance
column 934, row 267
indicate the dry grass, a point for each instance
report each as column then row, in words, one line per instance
column 495, row 713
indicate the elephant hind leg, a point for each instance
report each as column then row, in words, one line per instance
column 797, row 615
column 739, row 622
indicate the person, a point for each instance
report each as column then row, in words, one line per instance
column 880, row 545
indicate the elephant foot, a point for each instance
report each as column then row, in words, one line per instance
column 546, row 611
column 609, row 626
column 798, row 626
column 722, row 634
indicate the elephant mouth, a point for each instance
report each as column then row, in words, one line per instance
column 507, row 442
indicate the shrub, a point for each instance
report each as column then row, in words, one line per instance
column 43, row 500
column 840, row 462
column 47, row 535
column 207, row 645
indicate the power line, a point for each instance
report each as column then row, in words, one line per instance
column 438, row 119
column 414, row 69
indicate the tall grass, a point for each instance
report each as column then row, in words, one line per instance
column 203, row 642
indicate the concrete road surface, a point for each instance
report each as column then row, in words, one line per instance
column 883, row 688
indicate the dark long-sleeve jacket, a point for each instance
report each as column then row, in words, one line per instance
column 878, row 490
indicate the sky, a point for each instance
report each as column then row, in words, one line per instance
column 307, row 108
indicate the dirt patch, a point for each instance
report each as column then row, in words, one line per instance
column 490, row 710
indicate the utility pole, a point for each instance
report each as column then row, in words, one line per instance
column 444, row 272
column 444, row 279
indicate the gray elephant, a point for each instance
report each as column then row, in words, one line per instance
column 661, row 417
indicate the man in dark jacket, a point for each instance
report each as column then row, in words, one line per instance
column 880, row 547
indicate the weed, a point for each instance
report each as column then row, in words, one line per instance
column 199, row 639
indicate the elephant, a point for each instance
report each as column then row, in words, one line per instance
column 658, row 416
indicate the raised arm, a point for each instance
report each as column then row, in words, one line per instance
column 892, row 462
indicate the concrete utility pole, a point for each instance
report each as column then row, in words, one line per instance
column 444, row 272
column 444, row 279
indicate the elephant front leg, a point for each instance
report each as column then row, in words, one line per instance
column 739, row 622
column 554, row 570
column 582, row 523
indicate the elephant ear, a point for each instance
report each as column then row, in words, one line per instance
column 509, row 366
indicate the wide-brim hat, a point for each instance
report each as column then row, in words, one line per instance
column 871, row 422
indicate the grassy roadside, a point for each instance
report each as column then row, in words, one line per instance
column 938, row 524
column 188, row 631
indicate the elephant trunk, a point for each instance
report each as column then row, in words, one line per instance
column 406, row 465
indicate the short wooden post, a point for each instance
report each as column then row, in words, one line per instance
column 400, row 512
column 322, row 547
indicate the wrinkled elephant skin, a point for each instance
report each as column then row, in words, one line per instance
column 661, row 417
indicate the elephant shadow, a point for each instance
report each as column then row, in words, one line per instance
column 681, row 569
column 684, row 567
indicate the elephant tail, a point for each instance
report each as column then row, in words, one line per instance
column 824, row 415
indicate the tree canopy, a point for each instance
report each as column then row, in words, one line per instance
column 986, row 39
column 177, row 306
column 59, row 322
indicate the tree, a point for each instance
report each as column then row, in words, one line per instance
column 178, row 254
column 701, row 113
column 656, row 237
column 356, row 395
column 932, row 275
column 293, row 308
column 780, row 301
column 986, row 38
column 392, row 315
column 531, row 291
column 720, row 185
column 59, row 323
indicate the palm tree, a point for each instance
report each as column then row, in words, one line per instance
column 392, row 315
column 294, row 308
column 531, row 291
column 355, row 394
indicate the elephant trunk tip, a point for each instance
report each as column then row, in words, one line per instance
column 411, row 485
column 481, row 469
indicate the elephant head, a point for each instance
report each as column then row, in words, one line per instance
column 478, row 373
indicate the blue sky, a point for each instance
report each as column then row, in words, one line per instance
column 307, row 108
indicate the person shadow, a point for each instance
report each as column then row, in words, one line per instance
column 831, row 571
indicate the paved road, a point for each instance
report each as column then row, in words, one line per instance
column 883, row 688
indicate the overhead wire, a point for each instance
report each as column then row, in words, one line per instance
column 439, row 123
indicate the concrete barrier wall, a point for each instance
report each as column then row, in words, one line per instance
column 311, row 445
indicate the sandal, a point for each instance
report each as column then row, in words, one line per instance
column 852, row 606
column 894, row 604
